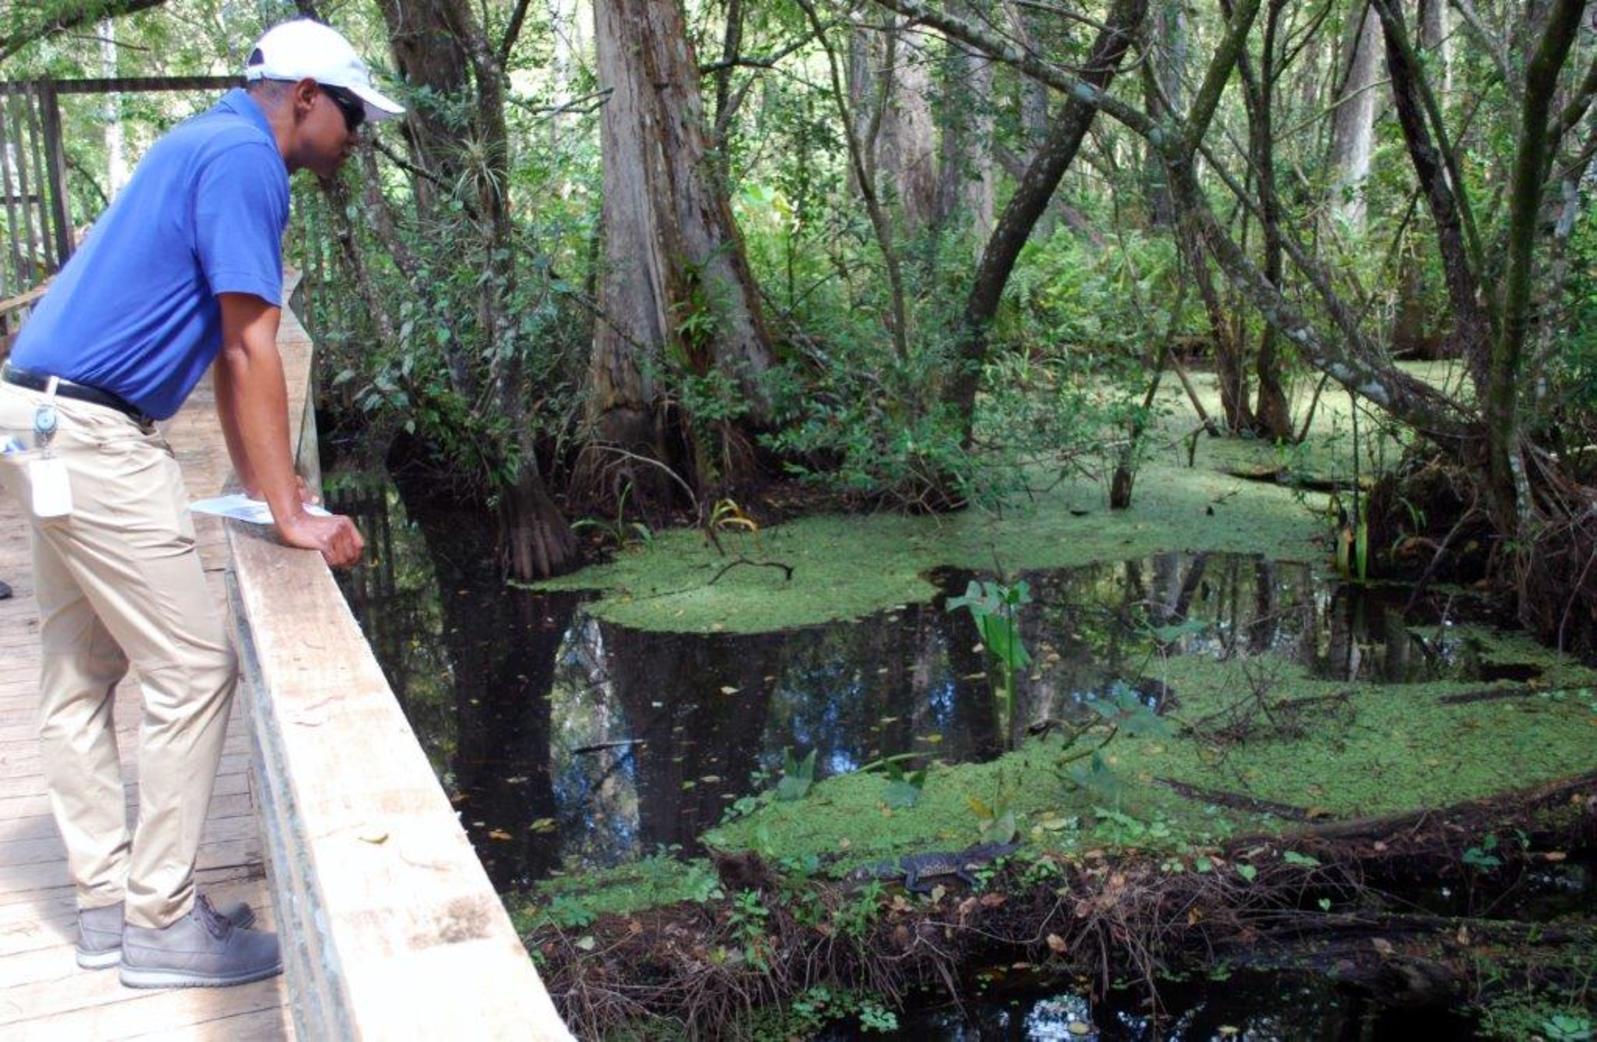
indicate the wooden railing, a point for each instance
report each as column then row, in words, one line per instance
column 390, row 927
column 14, row 311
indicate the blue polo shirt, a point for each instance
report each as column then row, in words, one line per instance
column 134, row 311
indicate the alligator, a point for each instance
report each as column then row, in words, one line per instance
column 915, row 869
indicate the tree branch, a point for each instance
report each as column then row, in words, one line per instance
column 518, row 18
column 69, row 16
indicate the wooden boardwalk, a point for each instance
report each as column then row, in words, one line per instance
column 43, row 994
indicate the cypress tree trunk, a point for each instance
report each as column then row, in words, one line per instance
column 675, row 287
column 1353, row 126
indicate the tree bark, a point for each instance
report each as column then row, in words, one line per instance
column 1163, row 97
column 1471, row 325
column 676, row 289
column 966, row 186
column 890, row 73
column 1031, row 197
column 1272, row 416
column 1434, row 39
column 1033, row 95
column 1353, row 125
column 428, row 55
column 1507, row 480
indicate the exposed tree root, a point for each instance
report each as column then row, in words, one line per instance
column 708, row 967
column 1426, row 519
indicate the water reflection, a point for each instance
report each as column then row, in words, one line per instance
column 569, row 741
column 1250, row 1007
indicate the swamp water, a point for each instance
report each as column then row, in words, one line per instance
column 568, row 742
column 1247, row 1007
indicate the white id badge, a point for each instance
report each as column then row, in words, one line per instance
column 52, row 492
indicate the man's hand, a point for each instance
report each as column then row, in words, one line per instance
column 336, row 537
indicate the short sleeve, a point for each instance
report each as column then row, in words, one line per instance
column 240, row 212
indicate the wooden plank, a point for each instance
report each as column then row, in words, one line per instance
column 23, row 879
column 132, row 84
column 21, row 123
column 55, row 164
column 48, row 849
column 14, row 252
column 396, row 930
column 37, row 803
column 61, row 900
column 42, row 826
column 96, row 1006
column 41, row 988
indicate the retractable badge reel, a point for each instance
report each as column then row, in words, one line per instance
column 47, row 473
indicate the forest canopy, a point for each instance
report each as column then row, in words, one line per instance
column 635, row 258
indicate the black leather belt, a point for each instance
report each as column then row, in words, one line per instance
column 34, row 381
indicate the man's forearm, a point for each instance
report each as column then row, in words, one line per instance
column 252, row 400
column 221, row 380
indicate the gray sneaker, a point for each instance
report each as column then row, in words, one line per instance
column 200, row 950
column 100, row 931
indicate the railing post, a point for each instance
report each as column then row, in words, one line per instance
column 55, row 163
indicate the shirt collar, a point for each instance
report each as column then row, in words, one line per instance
column 239, row 102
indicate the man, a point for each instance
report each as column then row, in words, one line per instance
column 185, row 267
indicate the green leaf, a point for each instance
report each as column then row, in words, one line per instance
column 1292, row 857
column 797, row 777
column 1247, row 872
column 901, row 795
column 1000, row 829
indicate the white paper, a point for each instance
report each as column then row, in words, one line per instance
column 242, row 508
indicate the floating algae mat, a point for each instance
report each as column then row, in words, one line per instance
column 570, row 743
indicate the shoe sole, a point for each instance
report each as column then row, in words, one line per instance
column 104, row 960
column 133, row 977
column 99, row 960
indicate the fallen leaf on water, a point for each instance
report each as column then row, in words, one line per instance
column 542, row 825
column 1555, row 855
column 499, row 834
column 728, row 689
column 1057, row 944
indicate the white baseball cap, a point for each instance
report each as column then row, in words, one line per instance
column 307, row 50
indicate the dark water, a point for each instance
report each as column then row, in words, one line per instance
column 1249, row 1007
column 569, row 742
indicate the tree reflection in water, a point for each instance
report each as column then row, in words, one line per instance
column 567, row 741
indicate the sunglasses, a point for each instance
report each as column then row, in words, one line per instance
column 352, row 108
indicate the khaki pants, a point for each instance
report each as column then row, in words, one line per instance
column 119, row 581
